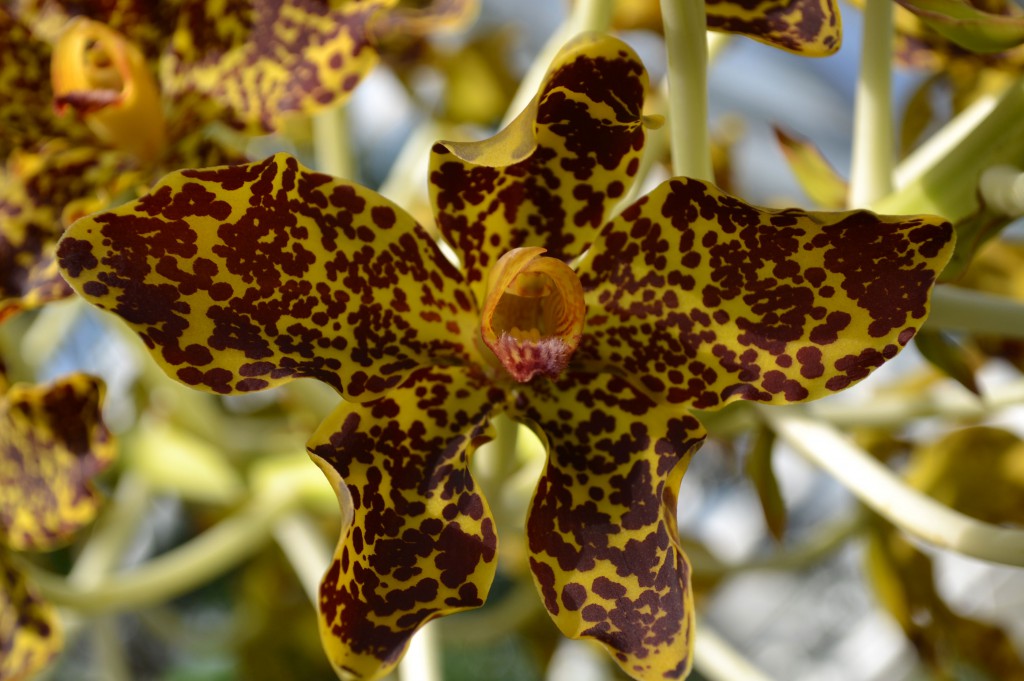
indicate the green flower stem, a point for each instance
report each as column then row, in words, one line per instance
column 932, row 150
column 871, row 174
column 178, row 571
column 593, row 15
column 717, row 660
column 587, row 15
column 497, row 462
column 822, row 543
column 883, row 491
column 422, row 661
column 1002, row 189
column 949, row 186
column 332, row 147
column 894, row 411
column 49, row 330
column 113, row 532
column 508, row 615
column 960, row 309
column 686, row 42
column 305, row 548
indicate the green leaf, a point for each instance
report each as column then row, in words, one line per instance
column 758, row 467
column 968, row 26
column 816, row 176
column 949, row 356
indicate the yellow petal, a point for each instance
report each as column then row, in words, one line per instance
column 418, row 539
column 603, row 542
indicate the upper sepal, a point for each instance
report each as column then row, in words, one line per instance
column 551, row 177
column 242, row 277
column 52, row 443
column 702, row 299
column 418, row 539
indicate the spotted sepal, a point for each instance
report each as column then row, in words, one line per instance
column 418, row 538
column 811, row 28
column 603, row 541
column 52, row 443
column 242, row 277
column 549, row 178
column 263, row 59
column 701, row 299
column 26, row 108
column 40, row 192
column 422, row 19
column 30, row 633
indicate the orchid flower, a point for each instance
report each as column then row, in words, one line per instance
column 811, row 28
column 138, row 87
column 599, row 331
column 52, row 443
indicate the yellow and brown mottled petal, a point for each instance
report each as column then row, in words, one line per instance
column 263, row 59
column 603, row 542
column 550, row 178
column 811, row 28
column 242, row 277
column 52, row 443
column 702, row 299
column 39, row 193
column 418, row 538
column 30, row 633
column 26, row 108
column 422, row 19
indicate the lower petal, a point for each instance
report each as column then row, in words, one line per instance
column 52, row 443
column 29, row 629
column 603, row 541
column 418, row 540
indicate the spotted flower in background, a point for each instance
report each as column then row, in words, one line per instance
column 138, row 85
column 241, row 278
column 812, row 28
column 52, row 443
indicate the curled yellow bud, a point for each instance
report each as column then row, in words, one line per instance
column 104, row 77
column 533, row 314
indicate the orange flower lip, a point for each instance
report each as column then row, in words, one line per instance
column 104, row 77
column 533, row 314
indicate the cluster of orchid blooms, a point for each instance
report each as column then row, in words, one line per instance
column 599, row 322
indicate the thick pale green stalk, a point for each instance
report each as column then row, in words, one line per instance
column 884, row 492
column 306, row 550
column 717, row 660
column 871, row 174
column 893, row 411
column 332, row 145
column 960, row 309
column 949, row 186
column 422, row 661
column 822, row 543
column 686, row 42
column 178, row 571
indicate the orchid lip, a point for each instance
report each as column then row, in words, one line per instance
column 533, row 314
column 105, row 78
